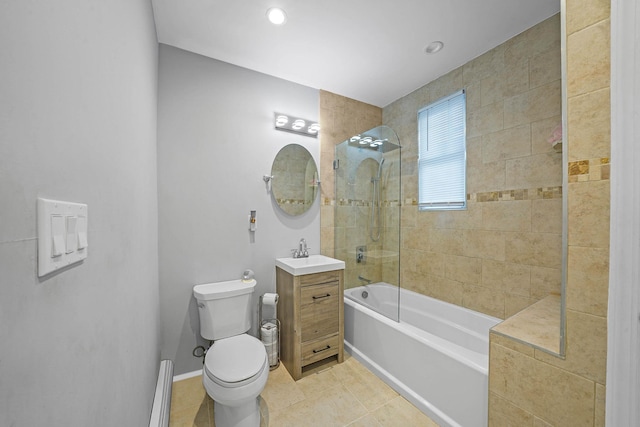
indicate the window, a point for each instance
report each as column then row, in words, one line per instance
column 442, row 154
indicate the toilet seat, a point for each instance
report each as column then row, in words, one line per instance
column 235, row 361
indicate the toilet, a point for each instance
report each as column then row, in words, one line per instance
column 236, row 366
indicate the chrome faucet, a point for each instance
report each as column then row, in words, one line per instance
column 302, row 251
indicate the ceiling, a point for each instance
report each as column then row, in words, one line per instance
column 368, row 50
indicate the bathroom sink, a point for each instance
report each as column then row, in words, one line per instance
column 310, row 265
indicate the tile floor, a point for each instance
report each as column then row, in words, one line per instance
column 343, row 395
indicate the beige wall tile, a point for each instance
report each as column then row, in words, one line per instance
column 507, row 216
column 536, row 104
column 538, row 422
column 487, row 244
column 535, row 249
column 507, row 144
column 601, row 392
column 588, row 59
column 469, row 218
column 491, row 89
column 503, row 413
column 485, row 65
column 588, row 280
column 486, row 119
column 589, row 125
column 514, row 304
column 563, row 398
column 506, row 277
column 445, row 85
column 586, row 352
column 431, row 263
column 446, row 241
column 544, row 68
column 588, row 219
column 547, row 216
column 545, row 281
column 509, row 343
column 408, row 216
column 483, row 300
column 516, row 74
column 543, row 37
column 444, row 289
column 581, row 14
column 463, row 269
column 538, row 170
column 490, row 177
column 541, row 131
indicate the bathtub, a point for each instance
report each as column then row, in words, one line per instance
column 437, row 356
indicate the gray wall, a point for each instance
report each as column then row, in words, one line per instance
column 78, row 96
column 215, row 142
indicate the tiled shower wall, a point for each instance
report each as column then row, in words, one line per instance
column 504, row 251
column 529, row 387
column 340, row 118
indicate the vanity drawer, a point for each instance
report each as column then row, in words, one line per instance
column 319, row 309
column 319, row 278
column 313, row 351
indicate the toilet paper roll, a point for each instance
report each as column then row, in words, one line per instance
column 272, row 354
column 268, row 333
column 270, row 299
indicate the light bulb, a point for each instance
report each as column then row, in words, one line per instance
column 276, row 16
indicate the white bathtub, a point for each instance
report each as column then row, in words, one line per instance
column 436, row 356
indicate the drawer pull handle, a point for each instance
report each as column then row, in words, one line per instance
column 321, row 296
column 322, row 349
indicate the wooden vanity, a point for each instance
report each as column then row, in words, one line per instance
column 311, row 314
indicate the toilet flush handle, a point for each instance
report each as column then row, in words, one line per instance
column 200, row 305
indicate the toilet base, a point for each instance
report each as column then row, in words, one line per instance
column 245, row 415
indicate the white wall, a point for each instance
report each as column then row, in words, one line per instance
column 78, row 96
column 215, row 142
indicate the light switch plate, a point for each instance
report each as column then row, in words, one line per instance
column 62, row 234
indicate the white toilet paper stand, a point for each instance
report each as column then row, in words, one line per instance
column 270, row 336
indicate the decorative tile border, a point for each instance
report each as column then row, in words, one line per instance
column 489, row 196
column 519, row 194
column 590, row 170
column 292, row 202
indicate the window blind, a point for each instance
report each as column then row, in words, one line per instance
column 442, row 154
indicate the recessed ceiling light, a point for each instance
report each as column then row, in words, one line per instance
column 434, row 47
column 277, row 16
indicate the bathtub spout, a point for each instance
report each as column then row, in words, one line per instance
column 364, row 279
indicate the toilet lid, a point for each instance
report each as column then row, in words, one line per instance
column 235, row 359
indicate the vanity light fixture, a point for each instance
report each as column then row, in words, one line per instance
column 297, row 125
column 281, row 120
column 276, row 16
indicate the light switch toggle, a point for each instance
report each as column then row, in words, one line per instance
column 71, row 240
column 82, row 233
column 57, row 235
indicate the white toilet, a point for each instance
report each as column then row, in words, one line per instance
column 236, row 365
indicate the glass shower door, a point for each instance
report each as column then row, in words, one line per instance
column 367, row 217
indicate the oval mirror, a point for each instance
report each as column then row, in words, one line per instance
column 294, row 182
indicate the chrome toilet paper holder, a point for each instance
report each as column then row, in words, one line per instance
column 270, row 331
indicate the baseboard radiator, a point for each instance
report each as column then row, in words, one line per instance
column 162, row 399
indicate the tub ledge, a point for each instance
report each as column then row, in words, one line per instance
column 537, row 325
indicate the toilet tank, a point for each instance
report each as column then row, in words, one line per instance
column 224, row 308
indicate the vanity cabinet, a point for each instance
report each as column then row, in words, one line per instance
column 311, row 314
